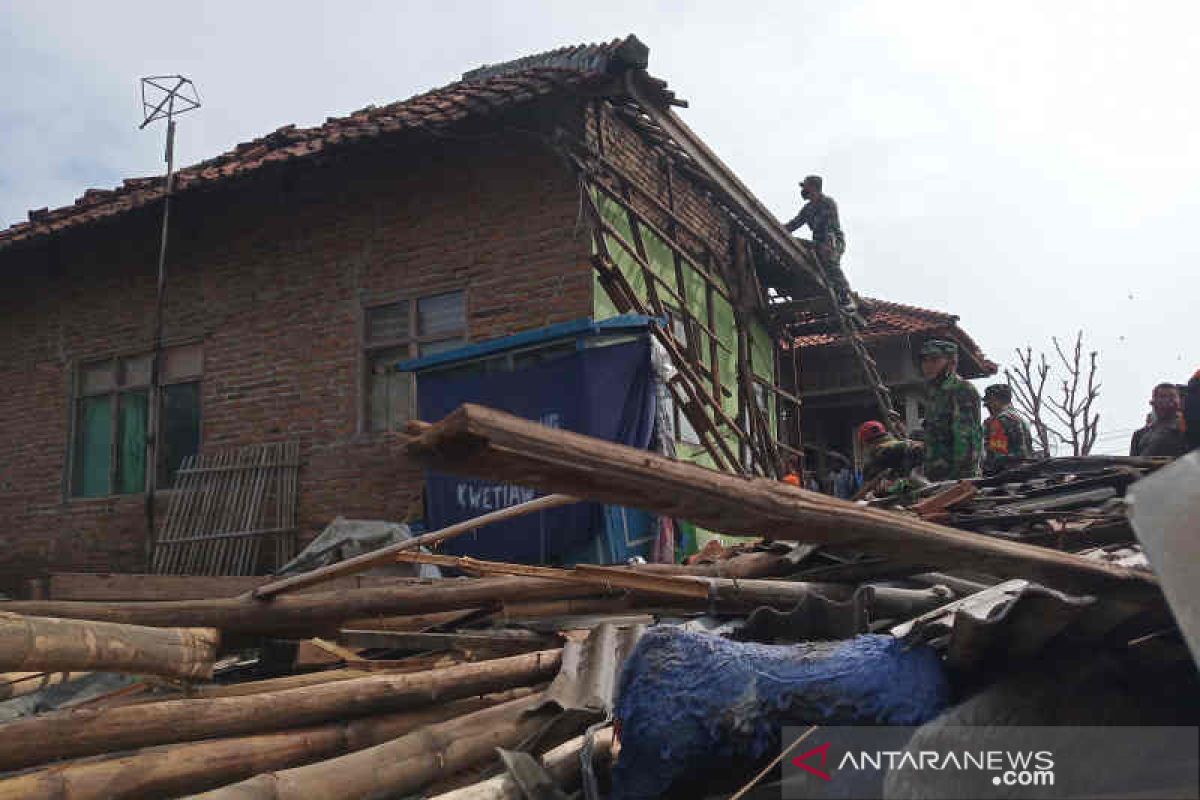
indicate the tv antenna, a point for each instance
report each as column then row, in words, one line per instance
column 163, row 97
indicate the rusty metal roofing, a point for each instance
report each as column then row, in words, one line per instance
column 481, row 93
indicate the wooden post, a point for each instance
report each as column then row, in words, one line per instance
column 61, row 645
column 71, row 734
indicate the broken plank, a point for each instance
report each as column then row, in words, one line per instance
column 471, row 640
column 940, row 503
column 482, row 442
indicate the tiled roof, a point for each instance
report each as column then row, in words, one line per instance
column 886, row 319
column 482, row 92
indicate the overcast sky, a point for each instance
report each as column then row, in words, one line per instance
column 1032, row 167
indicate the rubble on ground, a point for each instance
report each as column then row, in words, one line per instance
column 508, row 680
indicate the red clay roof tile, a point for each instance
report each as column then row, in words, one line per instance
column 481, row 92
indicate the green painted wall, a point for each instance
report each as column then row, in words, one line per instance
column 662, row 263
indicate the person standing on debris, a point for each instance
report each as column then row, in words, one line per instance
column 886, row 453
column 1006, row 436
column 953, row 431
column 820, row 214
column 1164, row 436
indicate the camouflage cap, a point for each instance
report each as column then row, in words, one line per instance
column 939, row 347
column 1000, row 391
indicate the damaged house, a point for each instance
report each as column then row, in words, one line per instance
column 553, row 206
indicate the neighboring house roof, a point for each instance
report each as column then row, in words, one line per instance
column 887, row 320
column 482, row 92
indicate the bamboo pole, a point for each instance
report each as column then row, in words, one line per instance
column 302, row 614
column 385, row 555
column 695, row 588
column 562, row 763
column 61, row 645
column 172, row 770
column 398, row 767
column 71, row 734
column 482, row 442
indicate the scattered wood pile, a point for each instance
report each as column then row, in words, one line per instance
column 499, row 683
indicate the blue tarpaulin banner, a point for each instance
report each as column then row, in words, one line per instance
column 606, row 392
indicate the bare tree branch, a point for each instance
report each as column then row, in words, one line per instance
column 1067, row 419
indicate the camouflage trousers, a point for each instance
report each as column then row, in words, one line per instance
column 830, row 254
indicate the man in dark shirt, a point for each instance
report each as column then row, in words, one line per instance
column 820, row 214
column 1164, row 436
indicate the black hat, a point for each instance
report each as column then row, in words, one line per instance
column 813, row 181
column 1000, row 391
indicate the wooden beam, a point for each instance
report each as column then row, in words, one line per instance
column 482, row 442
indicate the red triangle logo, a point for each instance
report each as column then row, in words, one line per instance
column 823, row 750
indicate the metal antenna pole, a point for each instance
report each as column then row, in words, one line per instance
column 183, row 91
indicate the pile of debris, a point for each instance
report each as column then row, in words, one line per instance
column 629, row 681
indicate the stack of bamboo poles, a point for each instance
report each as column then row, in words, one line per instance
column 359, row 728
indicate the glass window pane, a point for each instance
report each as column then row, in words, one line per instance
column 444, row 346
column 180, row 427
column 99, row 377
column 389, row 392
column 131, row 442
column 136, row 371
column 443, row 313
column 93, row 447
column 183, row 362
column 387, row 323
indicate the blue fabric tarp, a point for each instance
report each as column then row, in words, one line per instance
column 692, row 705
column 606, row 392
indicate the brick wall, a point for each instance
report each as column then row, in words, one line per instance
column 622, row 145
column 272, row 275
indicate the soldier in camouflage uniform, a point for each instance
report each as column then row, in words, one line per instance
column 953, row 433
column 888, row 458
column 1006, row 438
column 820, row 214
